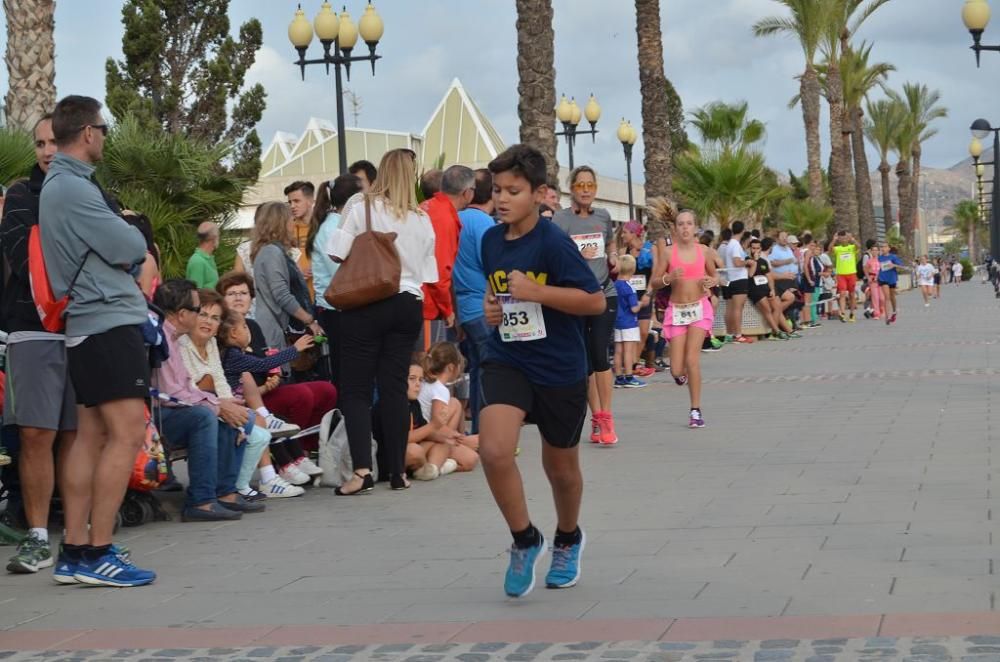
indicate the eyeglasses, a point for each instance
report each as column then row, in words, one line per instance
column 202, row 315
column 238, row 294
column 585, row 186
column 103, row 128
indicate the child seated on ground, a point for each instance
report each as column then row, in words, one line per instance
column 295, row 467
column 442, row 365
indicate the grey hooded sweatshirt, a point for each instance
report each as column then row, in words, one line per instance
column 77, row 228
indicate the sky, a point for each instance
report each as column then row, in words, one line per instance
column 710, row 54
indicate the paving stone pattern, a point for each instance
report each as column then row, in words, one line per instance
column 876, row 649
column 847, row 472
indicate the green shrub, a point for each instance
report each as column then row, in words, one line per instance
column 966, row 268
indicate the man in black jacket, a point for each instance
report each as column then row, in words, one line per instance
column 39, row 396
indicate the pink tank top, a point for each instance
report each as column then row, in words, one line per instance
column 692, row 270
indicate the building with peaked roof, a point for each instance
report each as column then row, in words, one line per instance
column 456, row 132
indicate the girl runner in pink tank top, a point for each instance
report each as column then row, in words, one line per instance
column 688, row 319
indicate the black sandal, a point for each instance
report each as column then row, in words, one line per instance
column 367, row 485
column 398, row 482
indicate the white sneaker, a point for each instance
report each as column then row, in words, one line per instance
column 279, row 488
column 426, row 472
column 448, row 466
column 308, row 467
column 279, row 429
column 292, row 474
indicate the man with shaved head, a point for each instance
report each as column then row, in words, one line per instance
column 201, row 267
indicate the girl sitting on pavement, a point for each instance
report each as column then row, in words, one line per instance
column 443, row 365
column 238, row 365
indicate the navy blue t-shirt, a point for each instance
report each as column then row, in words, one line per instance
column 550, row 257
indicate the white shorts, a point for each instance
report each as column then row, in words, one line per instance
column 926, row 283
column 627, row 335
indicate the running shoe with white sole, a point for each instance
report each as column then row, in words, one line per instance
column 566, row 566
column 520, row 577
column 632, row 382
column 112, row 570
column 681, row 381
column 695, row 420
column 308, row 467
column 293, row 475
column 64, row 571
column 32, row 555
column 279, row 488
column 280, row 429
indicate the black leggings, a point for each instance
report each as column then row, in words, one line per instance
column 599, row 330
column 377, row 341
column 286, row 451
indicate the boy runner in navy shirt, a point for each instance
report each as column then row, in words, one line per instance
column 535, row 369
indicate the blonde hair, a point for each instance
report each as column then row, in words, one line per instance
column 395, row 184
column 662, row 218
column 270, row 226
column 438, row 357
column 626, row 265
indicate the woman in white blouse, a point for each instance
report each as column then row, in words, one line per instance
column 378, row 339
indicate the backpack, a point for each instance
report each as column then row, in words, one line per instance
column 51, row 311
column 335, row 452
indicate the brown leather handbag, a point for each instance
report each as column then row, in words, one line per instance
column 370, row 273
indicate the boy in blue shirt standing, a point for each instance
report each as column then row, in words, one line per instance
column 627, row 325
column 535, row 368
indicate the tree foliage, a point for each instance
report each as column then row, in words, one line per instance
column 727, row 128
column 675, row 111
column 17, row 155
column 185, row 73
column 725, row 185
column 799, row 216
column 175, row 181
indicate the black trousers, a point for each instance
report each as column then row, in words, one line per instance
column 377, row 342
column 330, row 321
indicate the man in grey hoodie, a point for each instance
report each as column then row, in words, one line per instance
column 90, row 253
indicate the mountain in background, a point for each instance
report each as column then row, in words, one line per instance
column 940, row 190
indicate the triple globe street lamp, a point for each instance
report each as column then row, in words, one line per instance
column 339, row 35
column 569, row 113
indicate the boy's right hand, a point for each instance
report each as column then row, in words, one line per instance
column 304, row 342
column 492, row 309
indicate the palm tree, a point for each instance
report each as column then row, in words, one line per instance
column 801, row 216
column 17, row 156
column 922, row 106
column 881, row 127
column 845, row 17
column 31, row 66
column 902, row 145
column 806, row 23
column 536, row 87
column 724, row 185
column 725, row 126
column 969, row 221
column 861, row 77
column 655, row 100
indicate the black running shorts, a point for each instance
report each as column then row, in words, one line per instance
column 109, row 366
column 558, row 411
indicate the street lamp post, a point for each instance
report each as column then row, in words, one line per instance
column 980, row 129
column 976, row 16
column 338, row 34
column 627, row 135
column 568, row 112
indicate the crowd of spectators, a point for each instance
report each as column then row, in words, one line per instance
column 252, row 359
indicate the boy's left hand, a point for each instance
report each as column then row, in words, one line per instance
column 492, row 310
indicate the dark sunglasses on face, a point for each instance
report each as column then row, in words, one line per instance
column 103, row 128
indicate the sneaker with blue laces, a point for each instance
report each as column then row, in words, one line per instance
column 520, row 578
column 112, row 570
column 565, row 570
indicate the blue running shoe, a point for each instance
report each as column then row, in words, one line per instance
column 65, row 570
column 112, row 570
column 565, row 570
column 520, row 577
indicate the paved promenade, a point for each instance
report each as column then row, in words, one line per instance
column 838, row 505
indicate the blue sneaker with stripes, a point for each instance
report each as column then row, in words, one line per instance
column 112, row 570
column 65, row 570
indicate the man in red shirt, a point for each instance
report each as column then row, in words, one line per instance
column 457, row 187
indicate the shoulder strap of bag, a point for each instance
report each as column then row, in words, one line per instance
column 368, row 214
